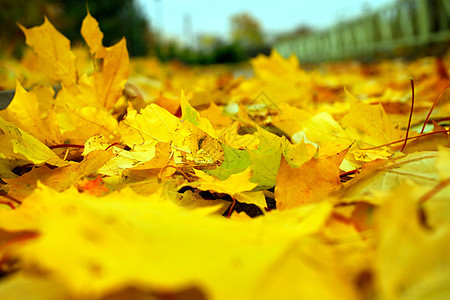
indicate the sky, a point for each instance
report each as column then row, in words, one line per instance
column 213, row 16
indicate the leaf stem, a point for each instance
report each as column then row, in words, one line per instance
column 409, row 138
column 12, row 199
column 66, row 146
column 8, row 203
column 410, row 114
column 349, row 172
column 19, row 239
column 231, row 208
column 431, row 110
column 434, row 190
column 113, row 144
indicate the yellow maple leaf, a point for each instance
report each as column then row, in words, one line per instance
column 382, row 175
column 153, row 155
column 215, row 115
column 110, row 81
column 236, row 183
column 290, row 118
column 256, row 197
column 60, row 178
column 81, row 106
column 93, row 36
column 297, row 154
column 275, row 67
column 54, row 50
column 114, row 69
column 369, row 124
column 191, row 115
column 324, row 130
column 412, row 260
column 24, row 111
column 152, row 123
column 18, row 144
column 155, row 124
column 78, row 122
column 85, row 242
column 85, row 100
column 281, row 80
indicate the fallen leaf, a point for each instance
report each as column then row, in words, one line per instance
column 18, row 144
column 369, row 124
column 93, row 36
column 311, row 182
column 236, row 183
column 25, row 113
column 418, row 167
column 54, row 50
column 411, row 259
column 110, row 80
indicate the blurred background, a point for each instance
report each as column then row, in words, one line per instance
column 210, row 32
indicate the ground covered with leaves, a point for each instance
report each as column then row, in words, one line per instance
column 135, row 180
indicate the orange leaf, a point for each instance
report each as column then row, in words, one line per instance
column 311, row 182
column 94, row 187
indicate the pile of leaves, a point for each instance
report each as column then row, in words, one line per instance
column 188, row 183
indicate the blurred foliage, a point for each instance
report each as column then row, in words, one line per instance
column 220, row 53
column 302, row 30
column 246, row 30
column 247, row 42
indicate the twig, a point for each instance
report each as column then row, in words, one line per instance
column 178, row 169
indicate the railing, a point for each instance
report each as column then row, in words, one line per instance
column 393, row 30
